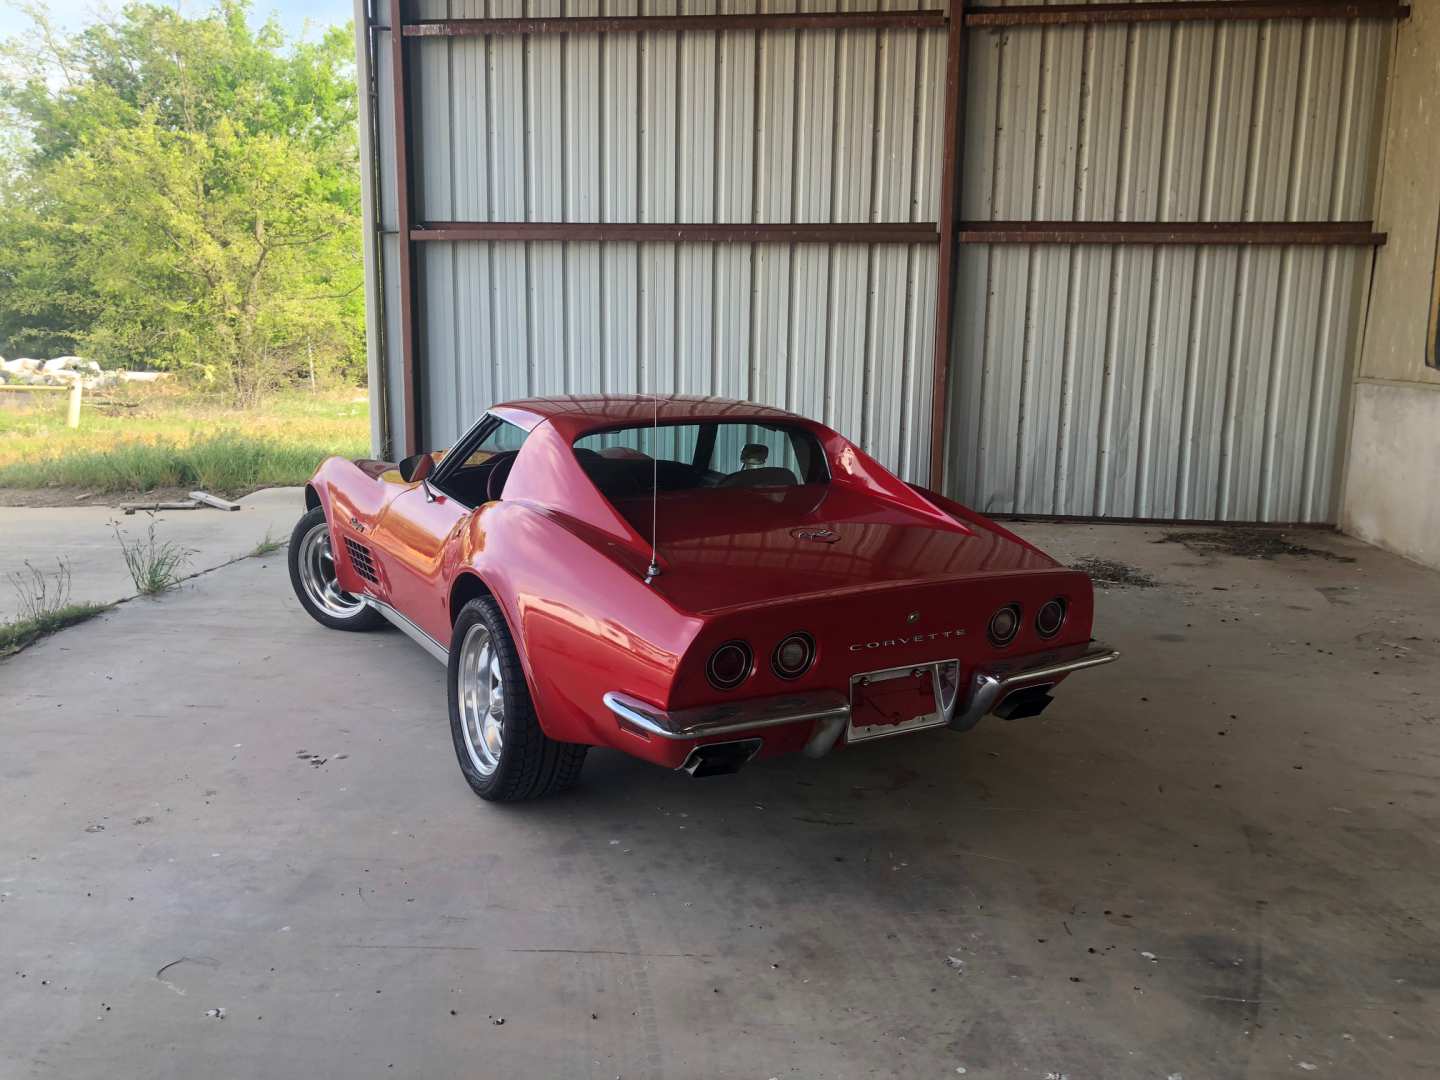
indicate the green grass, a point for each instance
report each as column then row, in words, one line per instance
column 16, row 635
column 268, row 546
column 169, row 440
column 154, row 564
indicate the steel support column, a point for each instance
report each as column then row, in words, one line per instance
column 404, row 211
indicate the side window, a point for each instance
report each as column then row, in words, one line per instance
column 481, row 476
column 503, row 438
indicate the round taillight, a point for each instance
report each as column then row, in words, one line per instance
column 1050, row 618
column 1004, row 625
column 728, row 665
column 793, row 656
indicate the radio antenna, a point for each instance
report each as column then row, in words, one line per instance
column 654, row 570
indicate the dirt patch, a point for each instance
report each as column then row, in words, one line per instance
column 1109, row 574
column 1248, row 543
column 75, row 496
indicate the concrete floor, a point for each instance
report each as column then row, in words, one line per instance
column 1215, row 859
column 84, row 538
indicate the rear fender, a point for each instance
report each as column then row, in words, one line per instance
column 583, row 621
column 973, row 518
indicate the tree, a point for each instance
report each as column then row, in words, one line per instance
column 185, row 195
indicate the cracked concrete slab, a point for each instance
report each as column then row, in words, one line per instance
column 84, row 538
column 1215, row 858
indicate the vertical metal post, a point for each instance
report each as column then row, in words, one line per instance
column 949, row 215
column 403, row 213
column 72, row 416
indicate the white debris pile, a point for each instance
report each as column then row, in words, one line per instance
column 64, row 370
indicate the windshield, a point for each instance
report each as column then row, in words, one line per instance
column 628, row 462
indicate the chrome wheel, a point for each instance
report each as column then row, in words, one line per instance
column 482, row 699
column 317, row 576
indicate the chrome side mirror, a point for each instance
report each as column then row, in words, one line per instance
column 416, row 467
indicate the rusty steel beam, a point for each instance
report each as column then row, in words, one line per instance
column 1355, row 233
column 948, row 255
column 635, row 24
column 1184, row 11
column 923, row 232
column 403, row 209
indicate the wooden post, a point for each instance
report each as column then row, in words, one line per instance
column 72, row 417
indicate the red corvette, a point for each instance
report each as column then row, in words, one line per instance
column 694, row 581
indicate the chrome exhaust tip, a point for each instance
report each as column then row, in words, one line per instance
column 721, row 759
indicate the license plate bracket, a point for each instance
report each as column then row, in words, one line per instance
column 894, row 701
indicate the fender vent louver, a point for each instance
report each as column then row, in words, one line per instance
column 360, row 560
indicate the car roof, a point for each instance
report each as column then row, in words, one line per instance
column 577, row 414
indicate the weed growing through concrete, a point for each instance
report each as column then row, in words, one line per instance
column 16, row 635
column 40, row 593
column 44, row 606
column 154, row 564
column 267, row 546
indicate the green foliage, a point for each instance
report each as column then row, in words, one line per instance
column 40, row 593
column 183, row 194
column 160, row 438
column 154, row 564
column 24, row 631
column 224, row 464
column 267, row 546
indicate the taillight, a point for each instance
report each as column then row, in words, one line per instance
column 1050, row 618
column 1004, row 625
column 729, row 664
column 793, row 656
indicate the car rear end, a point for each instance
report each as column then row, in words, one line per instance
column 850, row 666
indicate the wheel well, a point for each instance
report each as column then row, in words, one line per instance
column 312, row 497
column 466, row 588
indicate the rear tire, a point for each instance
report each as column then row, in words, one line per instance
column 312, row 576
column 503, row 753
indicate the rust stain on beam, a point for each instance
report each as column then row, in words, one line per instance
column 1330, row 233
column 635, row 24
column 924, row 232
column 1183, row 11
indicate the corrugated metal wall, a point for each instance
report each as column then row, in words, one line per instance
column 1175, row 382
column 1203, row 382
column 789, row 126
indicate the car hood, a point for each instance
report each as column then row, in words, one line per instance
column 722, row 549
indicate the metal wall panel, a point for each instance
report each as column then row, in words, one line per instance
column 1173, row 382
column 738, row 126
column 1203, row 382
column 487, row 337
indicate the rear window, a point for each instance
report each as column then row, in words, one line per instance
column 626, row 462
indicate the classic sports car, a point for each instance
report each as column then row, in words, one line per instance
column 695, row 581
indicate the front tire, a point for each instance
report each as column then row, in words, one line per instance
column 502, row 751
column 312, row 575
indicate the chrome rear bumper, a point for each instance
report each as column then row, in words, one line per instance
column 990, row 687
column 830, row 711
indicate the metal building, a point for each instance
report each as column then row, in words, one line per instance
column 1141, row 231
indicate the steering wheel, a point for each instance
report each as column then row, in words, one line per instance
column 500, row 466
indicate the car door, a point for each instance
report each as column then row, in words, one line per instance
column 410, row 540
column 416, row 529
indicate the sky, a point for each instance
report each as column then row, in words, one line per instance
column 73, row 14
